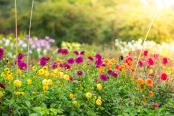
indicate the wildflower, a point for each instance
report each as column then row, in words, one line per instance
column 90, row 58
column 88, row 95
column 2, row 86
column 29, row 81
column 140, row 63
column 151, row 93
column 155, row 105
column 79, row 73
column 66, row 77
column 45, row 82
column 150, row 61
column 98, row 56
column 156, row 56
column 20, row 55
column 34, row 68
column 49, row 82
column 129, row 61
column 74, row 102
column 149, row 82
column 103, row 77
column 76, row 52
column 98, row 102
column 163, row 76
column 141, row 81
column 133, row 70
column 45, row 68
column 22, row 65
column 17, row 83
column 41, row 72
column 18, row 93
column 59, row 51
column 99, row 86
column 64, row 51
column 70, row 61
column 79, row 60
column 43, row 62
column 71, row 95
column 45, row 88
column 165, row 61
column 145, row 52
column 82, row 53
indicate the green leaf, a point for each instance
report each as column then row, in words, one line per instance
column 28, row 104
column 35, row 114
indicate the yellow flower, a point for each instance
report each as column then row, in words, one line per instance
column 18, row 93
column 22, row 93
column 45, row 68
column 6, row 69
column 45, row 82
column 9, row 77
column 49, row 82
column 45, row 88
column 17, row 83
column 41, row 72
column 23, row 75
column 88, row 95
column 34, row 68
column 99, row 86
column 66, row 77
column 3, row 59
column 98, row 102
column 53, row 75
column 61, row 75
column 95, row 97
column 19, row 71
column 71, row 95
column 99, row 97
column 74, row 102
column 47, row 74
column 2, row 74
column 29, row 81
column 1, row 94
column 57, row 70
column 33, row 92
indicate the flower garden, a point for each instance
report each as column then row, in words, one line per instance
column 72, row 82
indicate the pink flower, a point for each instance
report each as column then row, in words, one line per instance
column 145, row 52
column 140, row 63
column 165, row 61
column 130, row 53
column 163, row 76
column 150, row 61
column 129, row 61
column 156, row 56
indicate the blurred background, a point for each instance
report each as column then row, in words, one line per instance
column 103, row 26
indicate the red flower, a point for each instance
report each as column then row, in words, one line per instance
column 129, row 61
column 2, row 86
column 140, row 63
column 156, row 56
column 150, row 61
column 165, row 61
column 163, row 76
column 145, row 52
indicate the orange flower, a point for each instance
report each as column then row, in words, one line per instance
column 101, row 69
column 149, row 82
column 59, row 61
column 137, row 101
column 133, row 82
column 140, row 90
column 51, row 58
column 126, row 65
column 133, row 70
column 151, row 93
column 141, row 81
column 144, row 100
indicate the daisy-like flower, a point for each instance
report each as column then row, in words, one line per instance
column 129, row 61
column 156, row 56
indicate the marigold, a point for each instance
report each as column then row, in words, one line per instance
column 88, row 95
column 45, row 88
column 17, row 83
column 99, row 86
column 151, row 93
column 141, row 81
column 98, row 102
column 71, row 95
column 149, row 82
column 133, row 70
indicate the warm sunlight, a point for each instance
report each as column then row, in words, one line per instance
column 160, row 3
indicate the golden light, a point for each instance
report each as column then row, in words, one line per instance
column 159, row 3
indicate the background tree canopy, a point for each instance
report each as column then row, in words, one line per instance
column 88, row 21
